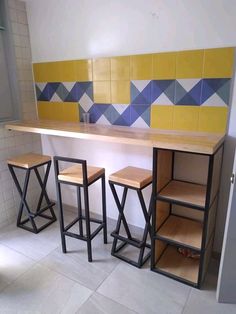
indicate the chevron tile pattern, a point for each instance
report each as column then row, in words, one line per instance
column 119, row 114
column 163, row 92
column 191, row 92
column 64, row 91
column 144, row 94
column 188, row 92
column 109, row 114
column 140, row 116
column 140, row 91
column 215, row 92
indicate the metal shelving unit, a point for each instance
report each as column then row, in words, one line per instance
column 175, row 234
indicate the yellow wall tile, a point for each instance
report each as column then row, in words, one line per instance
column 60, row 111
column 213, row 119
column 38, row 70
column 186, row 118
column 83, row 70
column 43, row 110
column 50, row 110
column 57, row 112
column 102, row 92
column 63, row 71
column 52, row 72
column 47, row 72
column 120, row 92
column 164, row 65
column 162, row 117
column 218, row 63
column 189, row 64
column 141, row 67
column 101, row 69
column 67, row 71
column 70, row 111
column 120, row 68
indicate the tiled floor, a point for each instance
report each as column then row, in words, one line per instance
column 35, row 277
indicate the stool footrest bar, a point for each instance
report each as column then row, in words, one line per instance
column 46, row 217
column 97, row 231
column 71, row 224
column 126, row 259
column 22, row 226
column 135, row 242
column 77, row 236
column 74, row 235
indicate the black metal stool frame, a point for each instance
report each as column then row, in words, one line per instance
column 102, row 223
column 141, row 244
column 23, row 194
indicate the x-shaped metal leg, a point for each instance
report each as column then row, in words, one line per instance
column 141, row 244
column 147, row 228
column 43, row 193
column 23, row 202
column 121, row 217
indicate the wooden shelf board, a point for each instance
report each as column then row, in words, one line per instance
column 182, row 230
column 176, row 264
column 188, row 193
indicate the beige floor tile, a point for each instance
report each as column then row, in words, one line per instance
column 101, row 305
column 43, row 291
column 144, row 291
column 12, row 265
column 35, row 246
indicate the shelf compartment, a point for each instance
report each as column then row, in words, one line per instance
column 185, row 193
column 172, row 263
column 182, row 231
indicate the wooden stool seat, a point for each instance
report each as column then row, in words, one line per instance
column 28, row 160
column 132, row 177
column 74, row 174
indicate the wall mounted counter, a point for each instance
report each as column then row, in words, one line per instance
column 196, row 142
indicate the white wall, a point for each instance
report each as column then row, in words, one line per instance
column 75, row 29
column 67, row 29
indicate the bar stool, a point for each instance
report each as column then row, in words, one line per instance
column 136, row 179
column 30, row 162
column 81, row 176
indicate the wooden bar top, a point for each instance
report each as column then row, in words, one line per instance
column 196, row 142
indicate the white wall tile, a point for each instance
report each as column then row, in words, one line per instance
column 20, row 5
column 13, row 15
column 12, row 4
column 15, row 143
column 21, row 17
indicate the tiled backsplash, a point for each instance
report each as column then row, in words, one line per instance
column 184, row 90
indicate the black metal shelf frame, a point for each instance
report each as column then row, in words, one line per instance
column 205, row 209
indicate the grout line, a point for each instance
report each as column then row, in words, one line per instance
column 86, row 300
column 108, row 276
column 66, row 276
column 117, row 302
column 34, row 260
column 14, row 280
column 60, row 273
column 190, row 291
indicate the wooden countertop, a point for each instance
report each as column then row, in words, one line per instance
column 205, row 143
